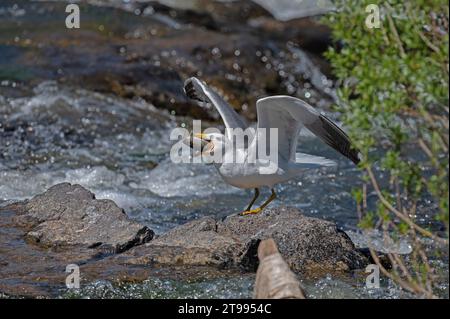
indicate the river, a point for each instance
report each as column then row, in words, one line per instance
column 96, row 107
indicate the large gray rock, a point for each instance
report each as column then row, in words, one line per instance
column 308, row 245
column 67, row 225
column 70, row 215
column 196, row 243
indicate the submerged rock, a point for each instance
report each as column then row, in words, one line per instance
column 309, row 245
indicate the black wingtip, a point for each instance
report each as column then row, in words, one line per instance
column 191, row 91
column 340, row 141
column 355, row 156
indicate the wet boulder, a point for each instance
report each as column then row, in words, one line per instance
column 68, row 215
column 309, row 245
column 195, row 243
column 306, row 244
column 68, row 225
column 63, row 226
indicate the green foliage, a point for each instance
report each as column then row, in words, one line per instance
column 368, row 221
column 393, row 90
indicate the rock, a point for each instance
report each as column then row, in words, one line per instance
column 67, row 225
column 308, row 245
column 194, row 243
column 70, row 215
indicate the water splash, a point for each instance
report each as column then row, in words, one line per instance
column 152, row 288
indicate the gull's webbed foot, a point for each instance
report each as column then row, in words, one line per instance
column 251, row 212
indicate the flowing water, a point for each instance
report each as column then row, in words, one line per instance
column 119, row 149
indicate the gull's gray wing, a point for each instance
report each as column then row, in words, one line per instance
column 290, row 114
column 197, row 90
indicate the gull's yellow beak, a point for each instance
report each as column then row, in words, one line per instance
column 204, row 142
column 201, row 136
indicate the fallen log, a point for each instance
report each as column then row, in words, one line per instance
column 274, row 279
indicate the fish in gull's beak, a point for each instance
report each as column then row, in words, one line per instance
column 203, row 137
column 197, row 140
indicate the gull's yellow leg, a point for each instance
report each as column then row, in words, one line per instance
column 264, row 205
column 253, row 200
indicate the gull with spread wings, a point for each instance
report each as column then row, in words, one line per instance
column 288, row 115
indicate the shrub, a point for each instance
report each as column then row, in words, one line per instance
column 393, row 90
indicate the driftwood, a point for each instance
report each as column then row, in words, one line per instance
column 274, row 279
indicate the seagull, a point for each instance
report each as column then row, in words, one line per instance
column 286, row 114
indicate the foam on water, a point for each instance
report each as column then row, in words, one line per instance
column 19, row 185
column 169, row 179
column 75, row 127
column 222, row 288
